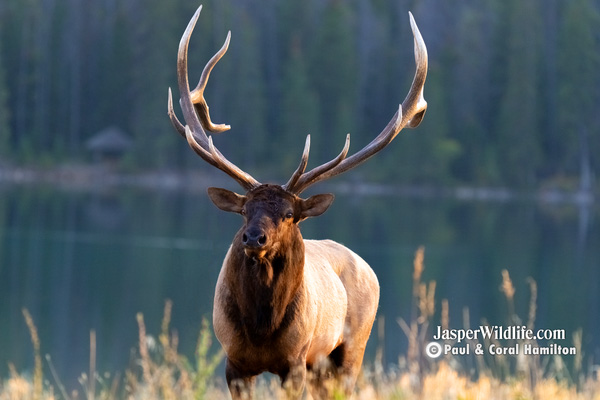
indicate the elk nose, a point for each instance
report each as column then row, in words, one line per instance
column 254, row 238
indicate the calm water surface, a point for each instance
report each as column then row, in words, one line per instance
column 81, row 261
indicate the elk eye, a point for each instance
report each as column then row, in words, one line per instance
column 243, row 211
column 289, row 214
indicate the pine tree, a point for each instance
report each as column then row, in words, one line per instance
column 469, row 100
column 300, row 110
column 5, row 131
column 517, row 127
column 578, row 66
column 246, row 94
column 152, row 72
column 333, row 72
column 24, row 54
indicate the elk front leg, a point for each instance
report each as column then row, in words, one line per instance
column 241, row 384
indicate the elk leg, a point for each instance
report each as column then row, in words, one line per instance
column 350, row 368
column 338, row 373
column 294, row 380
column 241, row 384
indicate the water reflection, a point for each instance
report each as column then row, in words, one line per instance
column 82, row 261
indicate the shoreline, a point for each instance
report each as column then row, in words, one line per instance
column 97, row 177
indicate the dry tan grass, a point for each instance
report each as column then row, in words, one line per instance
column 443, row 384
column 163, row 373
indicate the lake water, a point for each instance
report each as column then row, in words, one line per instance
column 83, row 260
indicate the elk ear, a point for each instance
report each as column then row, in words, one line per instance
column 315, row 205
column 227, row 200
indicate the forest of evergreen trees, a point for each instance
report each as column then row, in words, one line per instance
column 513, row 87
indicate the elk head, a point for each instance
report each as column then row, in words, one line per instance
column 270, row 215
column 196, row 113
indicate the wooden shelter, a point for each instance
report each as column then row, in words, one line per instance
column 109, row 145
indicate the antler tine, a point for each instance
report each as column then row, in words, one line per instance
column 415, row 95
column 301, row 180
column 410, row 113
column 201, row 151
column 333, row 163
column 302, row 167
column 179, row 127
column 174, row 120
column 197, row 94
column 195, row 111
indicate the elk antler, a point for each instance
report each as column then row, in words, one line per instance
column 410, row 113
column 196, row 114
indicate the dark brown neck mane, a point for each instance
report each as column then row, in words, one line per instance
column 265, row 291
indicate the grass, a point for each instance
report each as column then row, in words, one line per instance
column 163, row 373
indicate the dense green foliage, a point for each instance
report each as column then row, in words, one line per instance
column 512, row 89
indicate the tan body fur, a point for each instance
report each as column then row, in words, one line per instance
column 338, row 300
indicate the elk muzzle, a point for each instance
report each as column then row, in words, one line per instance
column 254, row 240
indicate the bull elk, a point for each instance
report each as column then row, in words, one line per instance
column 284, row 304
